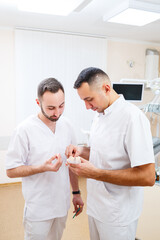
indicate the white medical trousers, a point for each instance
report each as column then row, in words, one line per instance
column 104, row 231
column 44, row 230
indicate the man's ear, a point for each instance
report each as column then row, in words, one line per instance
column 38, row 102
column 106, row 87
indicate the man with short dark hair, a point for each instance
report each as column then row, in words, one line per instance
column 37, row 154
column 121, row 159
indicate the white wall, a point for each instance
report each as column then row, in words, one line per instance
column 7, row 84
column 121, row 52
column 7, row 96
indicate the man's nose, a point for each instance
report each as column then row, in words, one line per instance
column 88, row 105
column 56, row 112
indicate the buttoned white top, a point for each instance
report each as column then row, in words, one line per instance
column 120, row 138
column 47, row 195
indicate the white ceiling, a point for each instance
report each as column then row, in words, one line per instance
column 85, row 20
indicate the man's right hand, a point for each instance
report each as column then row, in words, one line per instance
column 72, row 150
column 49, row 165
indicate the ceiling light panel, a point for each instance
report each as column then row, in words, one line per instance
column 134, row 12
column 135, row 17
column 54, row 7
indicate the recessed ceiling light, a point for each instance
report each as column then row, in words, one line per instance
column 54, row 7
column 134, row 13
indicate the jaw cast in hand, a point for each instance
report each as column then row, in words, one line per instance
column 73, row 160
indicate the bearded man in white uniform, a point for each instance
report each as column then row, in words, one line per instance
column 121, row 159
column 37, row 154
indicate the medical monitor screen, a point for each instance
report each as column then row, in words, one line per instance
column 130, row 91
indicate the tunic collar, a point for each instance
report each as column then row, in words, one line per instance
column 113, row 106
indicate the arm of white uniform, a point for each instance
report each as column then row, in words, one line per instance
column 24, row 171
column 143, row 175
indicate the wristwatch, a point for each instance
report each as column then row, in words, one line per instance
column 76, row 192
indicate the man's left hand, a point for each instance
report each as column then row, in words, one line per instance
column 84, row 169
column 78, row 203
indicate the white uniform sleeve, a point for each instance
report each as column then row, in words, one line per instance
column 18, row 150
column 138, row 141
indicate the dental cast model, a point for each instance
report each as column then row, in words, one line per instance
column 74, row 160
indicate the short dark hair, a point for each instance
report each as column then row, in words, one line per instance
column 88, row 75
column 49, row 84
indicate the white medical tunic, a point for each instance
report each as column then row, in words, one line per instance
column 47, row 195
column 120, row 139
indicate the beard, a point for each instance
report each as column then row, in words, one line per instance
column 51, row 118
